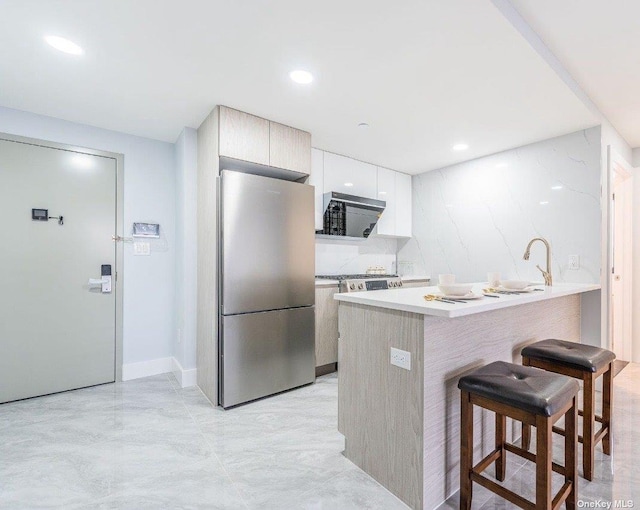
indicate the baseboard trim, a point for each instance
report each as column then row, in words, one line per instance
column 146, row 368
column 326, row 369
column 185, row 377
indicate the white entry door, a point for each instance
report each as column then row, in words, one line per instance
column 56, row 332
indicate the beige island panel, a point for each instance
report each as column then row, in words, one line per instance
column 402, row 426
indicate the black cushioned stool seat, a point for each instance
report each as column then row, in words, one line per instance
column 587, row 363
column 572, row 354
column 530, row 389
column 533, row 397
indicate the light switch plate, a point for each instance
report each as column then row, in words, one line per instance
column 574, row 262
column 401, row 358
column 141, row 248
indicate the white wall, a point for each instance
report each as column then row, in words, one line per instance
column 184, row 348
column 478, row 216
column 636, row 253
column 149, row 195
column 354, row 257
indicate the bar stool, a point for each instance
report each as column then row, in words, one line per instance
column 586, row 363
column 533, row 397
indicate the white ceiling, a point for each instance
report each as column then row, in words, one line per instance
column 424, row 74
column 597, row 42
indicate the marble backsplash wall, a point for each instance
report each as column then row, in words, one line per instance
column 352, row 257
column 478, row 216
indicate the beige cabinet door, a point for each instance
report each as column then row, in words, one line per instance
column 316, row 179
column 289, row 148
column 326, row 326
column 243, row 136
column 56, row 333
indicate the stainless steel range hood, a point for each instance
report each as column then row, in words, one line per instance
column 349, row 216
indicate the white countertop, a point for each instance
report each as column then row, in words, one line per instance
column 412, row 299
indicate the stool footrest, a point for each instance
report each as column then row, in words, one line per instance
column 501, row 491
column 516, row 499
column 596, row 437
column 521, row 452
column 601, row 432
column 596, row 417
column 487, row 461
column 563, row 493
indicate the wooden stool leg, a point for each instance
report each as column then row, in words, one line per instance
column 570, row 453
column 501, row 439
column 588, row 422
column 607, row 403
column 466, row 450
column 526, row 436
column 526, row 429
column 544, row 456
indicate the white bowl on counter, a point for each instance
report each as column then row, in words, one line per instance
column 456, row 289
column 515, row 284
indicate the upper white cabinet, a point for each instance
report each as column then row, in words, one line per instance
column 249, row 138
column 289, row 148
column 403, row 205
column 317, row 179
column 346, row 175
column 395, row 189
column 387, row 192
column 330, row 172
column 243, row 136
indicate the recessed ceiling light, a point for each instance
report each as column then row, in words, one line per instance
column 363, row 125
column 382, row 192
column 557, row 187
column 64, row 45
column 544, row 202
column 300, row 76
column 348, row 184
column 460, row 147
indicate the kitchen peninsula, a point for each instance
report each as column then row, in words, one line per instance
column 402, row 426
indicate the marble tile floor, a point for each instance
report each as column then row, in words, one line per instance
column 616, row 478
column 148, row 444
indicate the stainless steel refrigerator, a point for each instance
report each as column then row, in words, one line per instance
column 266, row 323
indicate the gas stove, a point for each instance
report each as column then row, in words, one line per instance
column 364, row 282
column 378, row 282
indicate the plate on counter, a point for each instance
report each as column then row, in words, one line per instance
column 514, row 291
column 466, row 297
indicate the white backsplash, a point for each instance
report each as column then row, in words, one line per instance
column 477, row 216
column 352, row 257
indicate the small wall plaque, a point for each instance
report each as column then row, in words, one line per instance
column 40, row 214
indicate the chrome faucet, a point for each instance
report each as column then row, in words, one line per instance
column 548, row 280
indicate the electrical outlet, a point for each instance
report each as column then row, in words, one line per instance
column 574, row 262
column 401, row 358
column 141, row 248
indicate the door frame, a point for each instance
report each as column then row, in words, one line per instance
column 119, row 269
column 615, row 164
